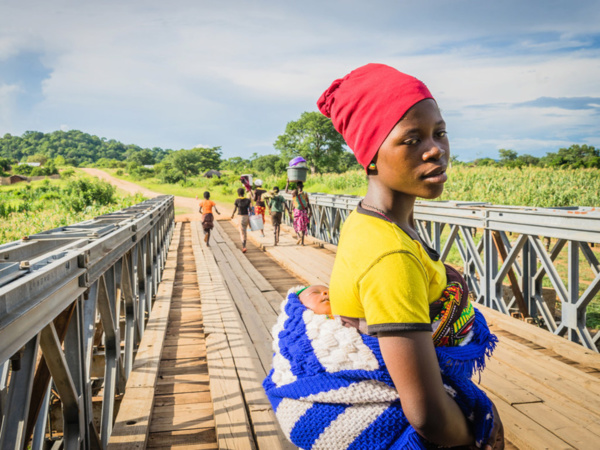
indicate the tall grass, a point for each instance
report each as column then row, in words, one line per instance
column 26, row 209
column 531, row 186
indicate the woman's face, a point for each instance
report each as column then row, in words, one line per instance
column 414, row 156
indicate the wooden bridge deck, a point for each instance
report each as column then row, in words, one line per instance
column 216, row 351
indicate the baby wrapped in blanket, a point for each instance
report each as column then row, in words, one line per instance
column 329, row 386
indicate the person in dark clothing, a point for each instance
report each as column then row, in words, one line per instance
column 277, row 205
column 241, row 206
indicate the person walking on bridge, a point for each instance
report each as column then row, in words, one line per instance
column 277, row 205
column 301, row 208
column 241, row 205
column 256, row 194
column 206, row 207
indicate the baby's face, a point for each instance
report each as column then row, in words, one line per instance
column 316, row 298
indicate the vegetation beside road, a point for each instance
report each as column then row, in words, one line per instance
column 29, row 208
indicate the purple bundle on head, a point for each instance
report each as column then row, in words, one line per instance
column 297, row 160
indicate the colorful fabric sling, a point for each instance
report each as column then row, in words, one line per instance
column 330, row 388
column 302, row 200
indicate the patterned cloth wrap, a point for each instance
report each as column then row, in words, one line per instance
column 260, row 211
column 330, row 388
column 300, row 220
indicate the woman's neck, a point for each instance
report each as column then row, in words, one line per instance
column 397, row 206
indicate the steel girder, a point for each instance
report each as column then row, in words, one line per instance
column 74, row 302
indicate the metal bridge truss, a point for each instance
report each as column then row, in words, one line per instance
column 73, row 308
column 502, row 246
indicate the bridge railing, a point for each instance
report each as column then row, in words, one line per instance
column 73, row 307
column 531, row 260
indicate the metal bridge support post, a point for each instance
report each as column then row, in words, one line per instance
column 437, row 236
column 39, row 432
column 574, row 310
column 3, row 389
column 12, row 434
column 527, row 282
column 490, row 271
column 65, row 384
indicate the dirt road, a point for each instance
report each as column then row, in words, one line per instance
column 187, row 207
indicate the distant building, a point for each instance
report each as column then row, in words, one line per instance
column 16, row 179
column 149, row 166
column 32, row 164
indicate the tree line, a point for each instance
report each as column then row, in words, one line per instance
column 575, row 157
column 312, row 136
column 73, row 147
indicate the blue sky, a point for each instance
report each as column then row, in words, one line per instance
column 512, row 74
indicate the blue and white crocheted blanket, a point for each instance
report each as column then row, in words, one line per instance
column 330, row 389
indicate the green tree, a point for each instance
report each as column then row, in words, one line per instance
column 207, row 158
column 142, row 157
column 39, row 158
column 484, row 162
column 314, row 138
column 22, row 169
column 528, row 160
column 5, row 164
column 236, row 164
column 507, row 155
column 576, row 156
column 271, row 164
column 184, row 162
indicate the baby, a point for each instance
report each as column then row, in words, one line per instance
column 316, row 298
column 451, row 322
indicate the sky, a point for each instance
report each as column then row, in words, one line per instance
column 523, row 75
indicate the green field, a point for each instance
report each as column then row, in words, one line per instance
column 529, row 186
column 29, row 208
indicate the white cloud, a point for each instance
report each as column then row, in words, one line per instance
column 234, row 73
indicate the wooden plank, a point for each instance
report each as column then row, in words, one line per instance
column 510, row 392
column 560, row 425
column 231, row 421
column 182, row 387
column 523, row 432
column 257, row 278
column 542, row 337
column 184, row 439
column 182, row 417
column 131, row 427
column 266, row 311
column 275, row 299
column 578, row 389
column 586, row 417
column 202, row 396
column 245, row 352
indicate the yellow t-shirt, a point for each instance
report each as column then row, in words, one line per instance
column 383, row 276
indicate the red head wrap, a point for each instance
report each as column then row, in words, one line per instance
column 367, row 103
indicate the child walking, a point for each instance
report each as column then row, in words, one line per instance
column 206, row 207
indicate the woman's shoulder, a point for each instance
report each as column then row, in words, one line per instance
column 373, row 237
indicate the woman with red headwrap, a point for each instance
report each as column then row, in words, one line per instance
column 385, row 278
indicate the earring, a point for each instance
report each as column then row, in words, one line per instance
column 372, row 166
